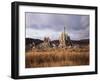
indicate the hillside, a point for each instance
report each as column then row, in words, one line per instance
column 38, row 41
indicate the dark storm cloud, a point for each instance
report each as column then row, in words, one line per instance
column 76, row 25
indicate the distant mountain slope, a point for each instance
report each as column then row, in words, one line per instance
column 30, row 41
column 38, row 41
column 84, row 41
column 56, row 42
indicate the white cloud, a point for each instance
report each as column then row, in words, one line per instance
column 40, row 34
column 40, row 25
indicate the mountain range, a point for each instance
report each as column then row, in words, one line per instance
column 38, row 41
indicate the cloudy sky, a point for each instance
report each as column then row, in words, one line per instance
column 40, row 25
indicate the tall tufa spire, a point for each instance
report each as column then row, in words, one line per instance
column 64, row 29
column 63, row 39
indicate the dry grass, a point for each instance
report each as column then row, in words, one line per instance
column 53, row 57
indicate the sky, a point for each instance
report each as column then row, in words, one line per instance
column 40, row 25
